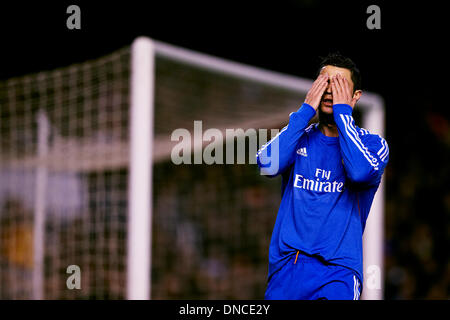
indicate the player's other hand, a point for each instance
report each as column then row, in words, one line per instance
column 314, row 95
column 342, row 93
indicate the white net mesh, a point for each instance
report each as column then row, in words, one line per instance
column 64, row 137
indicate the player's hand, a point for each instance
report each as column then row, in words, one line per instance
column 314, row 95
column 342, row 94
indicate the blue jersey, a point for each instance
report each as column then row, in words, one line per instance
column 328, row 185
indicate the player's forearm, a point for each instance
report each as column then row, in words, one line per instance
column 361, row 164
column 278, row 153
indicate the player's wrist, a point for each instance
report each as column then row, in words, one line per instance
column 342, row 108
column 306, row 111
column 306, row 104
column 309, row 103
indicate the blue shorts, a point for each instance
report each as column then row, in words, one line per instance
column 306, row 277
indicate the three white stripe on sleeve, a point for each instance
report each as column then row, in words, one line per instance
column 384, row 151
column 352, row 133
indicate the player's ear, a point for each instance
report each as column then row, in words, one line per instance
column 357, row 95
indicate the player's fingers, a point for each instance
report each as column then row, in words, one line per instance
column 321, row 79
column 322, row 87
column 325, row 83
column 339, row 83
column 315, row 83
column 343, row 92
column 334, row 90
column 336, row 87
column 347, row 89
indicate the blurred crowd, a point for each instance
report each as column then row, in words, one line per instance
column 211, row 237
column 417, row 260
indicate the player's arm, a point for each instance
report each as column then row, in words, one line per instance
column 364, row 157
column 278, row 154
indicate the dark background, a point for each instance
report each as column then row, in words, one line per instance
column 406, row 62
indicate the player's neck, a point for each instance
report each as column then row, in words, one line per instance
column 329, row 130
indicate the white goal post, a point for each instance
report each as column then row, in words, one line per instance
column 140, row 176
column 144, row 52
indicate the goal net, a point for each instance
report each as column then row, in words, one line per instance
column 88, row 178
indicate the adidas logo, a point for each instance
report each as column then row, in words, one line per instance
column 302, row 152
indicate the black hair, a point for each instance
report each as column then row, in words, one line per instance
column 338, row 60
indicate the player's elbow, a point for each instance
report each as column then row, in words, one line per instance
column 361, row 176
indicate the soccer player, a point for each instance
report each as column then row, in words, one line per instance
column 330, row 173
